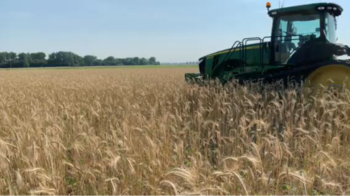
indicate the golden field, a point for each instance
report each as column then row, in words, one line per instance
column 145, row 131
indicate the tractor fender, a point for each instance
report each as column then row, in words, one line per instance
column 348, row 50
column 315, row 51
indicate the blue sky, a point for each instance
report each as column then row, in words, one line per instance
column 171, row 30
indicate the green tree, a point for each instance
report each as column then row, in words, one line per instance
column 12, row 57
column 62, row 58
column 89, row 60
column 78, row 60
column 109, row 61
column 3, row 57
column 52, row 59
column 65, row 59
column 135, row 61
column 127, row 61
column 119, row 61
column 37, row 59
column 69, row 58
column 38, row 56
column 98, row 62
column 23, row 59
column 143, row 61
column 152, row 61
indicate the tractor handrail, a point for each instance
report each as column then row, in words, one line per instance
column 262, row 48
column 245, row 40
column 244, row 48
column 242, row 45
column 235, row 46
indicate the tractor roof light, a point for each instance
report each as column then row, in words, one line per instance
column 273, row 13
column 321, row 8
column 268, row 5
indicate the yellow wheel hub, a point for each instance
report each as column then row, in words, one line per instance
column 330, row 77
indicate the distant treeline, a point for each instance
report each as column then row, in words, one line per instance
column 61, row 59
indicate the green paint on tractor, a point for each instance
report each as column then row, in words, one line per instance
column 303, row 39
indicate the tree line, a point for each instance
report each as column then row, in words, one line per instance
column 62, row 59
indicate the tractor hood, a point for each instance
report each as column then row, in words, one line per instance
column 310, row 8
column 215, row 53
column 236, row 49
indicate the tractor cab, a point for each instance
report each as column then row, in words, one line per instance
column 293, row 27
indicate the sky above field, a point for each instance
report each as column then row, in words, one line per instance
column 171, row 30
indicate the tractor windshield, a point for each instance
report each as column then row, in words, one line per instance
column 292, row 32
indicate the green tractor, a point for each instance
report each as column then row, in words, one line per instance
column 302, row 47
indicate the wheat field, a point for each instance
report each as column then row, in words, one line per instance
column 145, row 131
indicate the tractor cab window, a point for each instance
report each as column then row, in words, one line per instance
column 331, row 27
column 292, row 32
